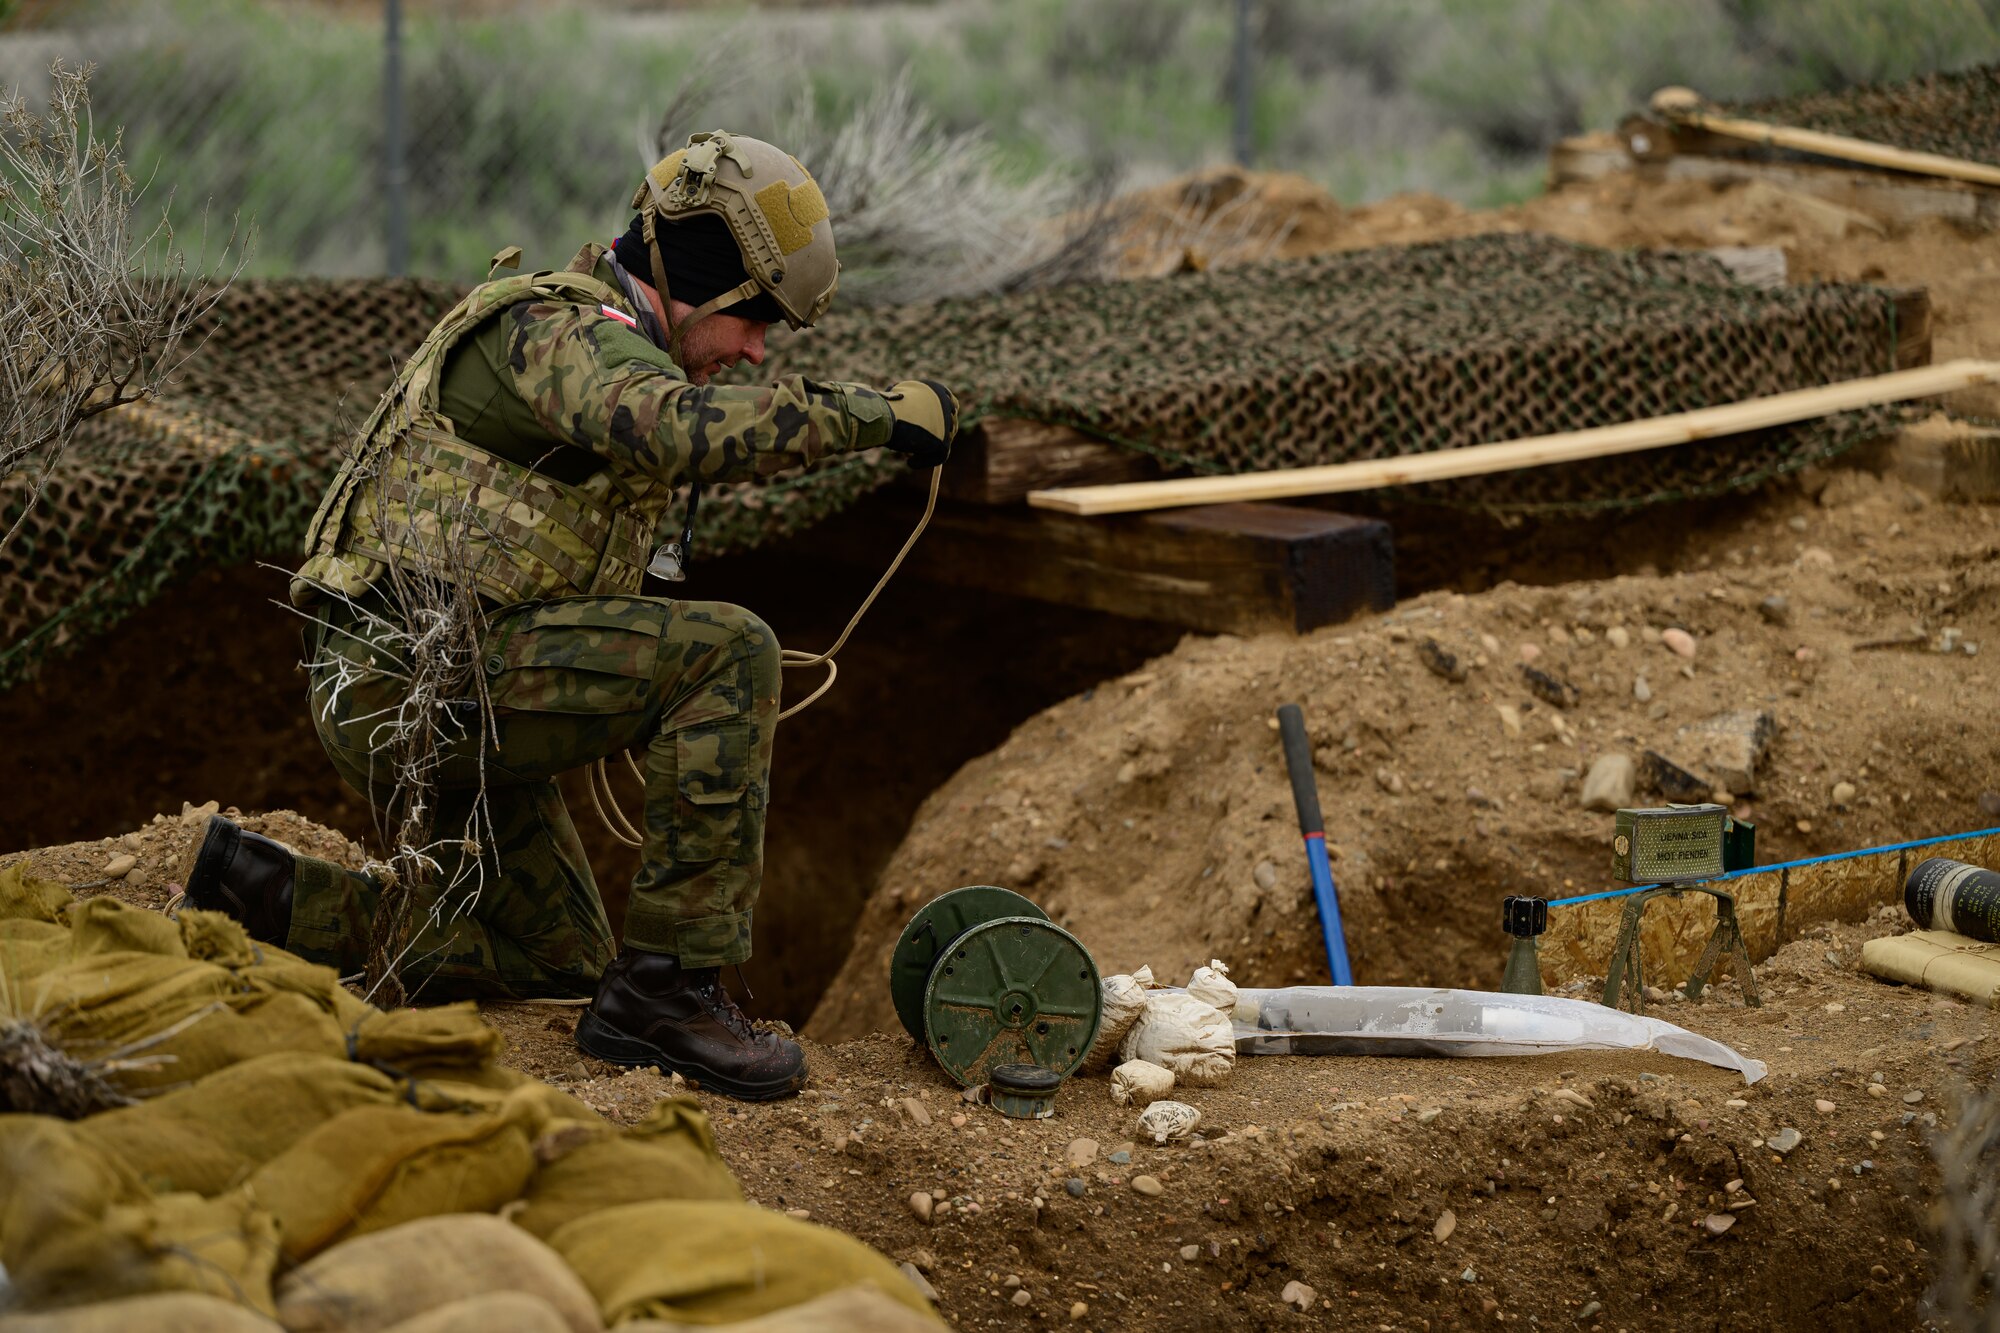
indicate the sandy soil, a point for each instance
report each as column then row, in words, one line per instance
column 1595, row 1190
column 1153, row 816
column 1579, row 1188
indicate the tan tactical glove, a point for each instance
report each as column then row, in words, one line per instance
column 926, row 421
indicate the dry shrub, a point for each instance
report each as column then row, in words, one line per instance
column 92, row 313
column 921, row 212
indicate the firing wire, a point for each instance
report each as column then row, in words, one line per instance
column 1782, row 865
column 606, row 800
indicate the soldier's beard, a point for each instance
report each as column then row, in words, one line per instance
column 703, row 348
column 715, row 342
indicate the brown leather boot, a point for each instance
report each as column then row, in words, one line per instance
column 245, row 875
column 650, row 1010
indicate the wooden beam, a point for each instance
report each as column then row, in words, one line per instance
column 1690, row 113
column 1476, row 460
column 1235, row 569
column 1003, row 458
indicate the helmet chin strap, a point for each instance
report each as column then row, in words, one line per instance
column 742, row 291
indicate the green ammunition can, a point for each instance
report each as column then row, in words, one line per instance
column 1669, row 844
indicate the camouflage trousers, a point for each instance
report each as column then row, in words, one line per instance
column 571, row 680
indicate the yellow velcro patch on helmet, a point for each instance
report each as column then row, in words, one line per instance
column 792, row 210
column 662, row 175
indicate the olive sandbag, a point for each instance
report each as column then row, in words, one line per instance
column 449, row 1041
column 509, row 1311
column 223, row 1247
column 164, row 1312
column 372, row 1167
column 542, row 1102
column 26, row 896
column 28, row 949
column 711, row 1263
column 107, row 926
column 213, row 937
column 852, row 1310
column 179, row 1019
column 376, row 1281
column 583, row 1168
column 208, row 1138
column 53, row 1181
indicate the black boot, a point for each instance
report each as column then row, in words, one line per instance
column 650, row 1010
column 245, row 875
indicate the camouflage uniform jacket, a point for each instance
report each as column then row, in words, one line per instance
column 562, row 488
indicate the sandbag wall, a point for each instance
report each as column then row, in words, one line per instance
column 197, row 1129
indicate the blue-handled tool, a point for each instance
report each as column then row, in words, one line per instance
column 1305, row 795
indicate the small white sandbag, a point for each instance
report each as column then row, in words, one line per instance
column 1140, row 1083
column 1168, row 1120
column 1212, row 986
column 1124, row 1001
column 1192, row 1038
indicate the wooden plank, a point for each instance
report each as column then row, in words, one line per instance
column 1003, row 458
column 1598, row 442
column 1821, row 144
column 1235, row 569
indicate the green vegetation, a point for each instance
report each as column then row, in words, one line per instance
column 527, row 127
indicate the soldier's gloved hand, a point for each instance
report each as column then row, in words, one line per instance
column 926, row 421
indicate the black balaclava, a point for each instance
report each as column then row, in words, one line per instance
column 702, row 263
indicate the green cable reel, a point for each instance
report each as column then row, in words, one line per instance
column 983, row 978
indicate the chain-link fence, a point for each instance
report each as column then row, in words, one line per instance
column 529, row 124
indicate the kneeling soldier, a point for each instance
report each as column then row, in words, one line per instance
column 566, row 407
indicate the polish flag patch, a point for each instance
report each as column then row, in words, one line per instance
column 619, row 315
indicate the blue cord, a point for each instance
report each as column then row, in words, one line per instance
column 1783, row 865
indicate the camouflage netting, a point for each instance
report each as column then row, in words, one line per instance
column 1369, row 354
column 1957, row 115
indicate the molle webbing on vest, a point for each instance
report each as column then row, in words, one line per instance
column 546, row 539
column 531, row 537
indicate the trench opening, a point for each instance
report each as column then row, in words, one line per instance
column 197, row 698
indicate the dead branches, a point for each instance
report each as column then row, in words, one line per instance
column 432, row 627
column 92, row 316
column 38, row 1076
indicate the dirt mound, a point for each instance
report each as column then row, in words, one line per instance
column 145, row 866
column 1152, row 815
column 1576, row 1191
column 1224, row 216
column 1227, row 215
column 1600, row 1190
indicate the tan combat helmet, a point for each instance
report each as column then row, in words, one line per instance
column 773, row 208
